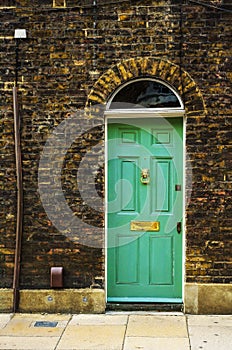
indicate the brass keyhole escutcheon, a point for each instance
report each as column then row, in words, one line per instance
column 145, row 176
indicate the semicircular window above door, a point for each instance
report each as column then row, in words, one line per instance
column 145, row 93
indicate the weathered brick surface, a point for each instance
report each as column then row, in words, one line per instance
column 76, row 55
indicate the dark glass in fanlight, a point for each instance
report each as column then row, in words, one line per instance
column 145, row 94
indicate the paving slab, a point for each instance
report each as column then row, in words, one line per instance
column 92, row 337
column 210, row 320
column 4, row 319
column 157, row 326
column 98, row 320
column 145, row 313
column 27, row 343
column 24, row 325
column 148, row 343
column 210, row 332
column 116, row 331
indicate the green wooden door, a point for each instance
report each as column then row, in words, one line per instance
column 145, row 182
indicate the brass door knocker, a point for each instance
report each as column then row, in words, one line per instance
column 145, row 176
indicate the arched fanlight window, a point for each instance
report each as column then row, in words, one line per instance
column 145, row 94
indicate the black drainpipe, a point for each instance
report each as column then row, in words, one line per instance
column 18, row 163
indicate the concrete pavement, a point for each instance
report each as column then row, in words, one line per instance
column 115, row 331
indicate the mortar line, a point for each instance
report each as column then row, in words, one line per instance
column 62, row 333
column 186, row 321
column 124, row 339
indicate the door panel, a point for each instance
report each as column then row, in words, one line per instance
column 161, row 249
column 129, row 176
column 162, row 174
column 145, row 159
column 127, row 260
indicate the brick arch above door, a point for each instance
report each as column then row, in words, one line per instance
column 164, row 70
